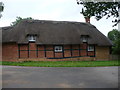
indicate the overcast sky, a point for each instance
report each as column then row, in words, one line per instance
column 59, row 10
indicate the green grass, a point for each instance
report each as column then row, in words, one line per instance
column 63, row 63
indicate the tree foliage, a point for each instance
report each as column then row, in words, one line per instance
column 114, row 36
column 19, row 19
column 100, row 9
column 1, row 8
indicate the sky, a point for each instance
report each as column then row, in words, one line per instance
column 58, row 10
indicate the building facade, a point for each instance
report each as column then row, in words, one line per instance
column 36, row 40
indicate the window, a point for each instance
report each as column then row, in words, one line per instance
column 58, row 48
column 84, row 38
column 90, row 47
column 32, row 38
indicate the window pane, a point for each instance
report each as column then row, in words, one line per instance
column 58, row 48
column 84, row 38
column 31, row 38
column 90, row 48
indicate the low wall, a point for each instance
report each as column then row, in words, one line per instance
column 61, row 59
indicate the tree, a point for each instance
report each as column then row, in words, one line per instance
column 116, row 47
column 1, row 8
column 100, row 9
column 19, row 19
column 114, row 36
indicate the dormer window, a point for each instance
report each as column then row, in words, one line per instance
column 32, row 38
column 84, row 38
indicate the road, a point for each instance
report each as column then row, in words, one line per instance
column 59, row 77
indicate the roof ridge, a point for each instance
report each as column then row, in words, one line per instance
column 56, row 22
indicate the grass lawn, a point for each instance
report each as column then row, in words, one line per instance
column 63, row 63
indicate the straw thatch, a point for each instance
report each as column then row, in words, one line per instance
column 54, row 32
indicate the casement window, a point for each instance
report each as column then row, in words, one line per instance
column 32, row 38
column 90, row 47
column 58, row 49
column 84, row 38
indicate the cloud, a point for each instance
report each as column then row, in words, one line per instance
column 40, row 9
column 60, row 10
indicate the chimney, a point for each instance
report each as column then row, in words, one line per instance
column 87, row 19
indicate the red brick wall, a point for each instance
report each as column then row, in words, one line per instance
column 49, row 47
column 23, row 53
column 75, row 53
column 49, row 51
column 23, row 47
column 59, row 55
column 75, row 46
column 83, row 51
column 91, row 53
column 9, row 51
column 32, row 50
column 41, row 47
column 67, row 51
column 83, row 46
column 49, row 54
column 102, row 53
column 41, row 52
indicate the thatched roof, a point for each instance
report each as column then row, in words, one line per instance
column 54, row 32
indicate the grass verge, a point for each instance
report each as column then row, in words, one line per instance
column 63, row 63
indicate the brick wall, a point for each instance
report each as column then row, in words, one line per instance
column 59, row 55
column 41, row 51
column 49, row 49
column 102, row 53
column 9, row 51
column 23, row 51
column 67, row 51
column 33, row 51
column 63, row 59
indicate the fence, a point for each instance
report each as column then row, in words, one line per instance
column 114, row 57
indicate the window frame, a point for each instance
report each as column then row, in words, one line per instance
column 60, row 48
column 91, row 48
column 32, row 38
column 84, row 38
